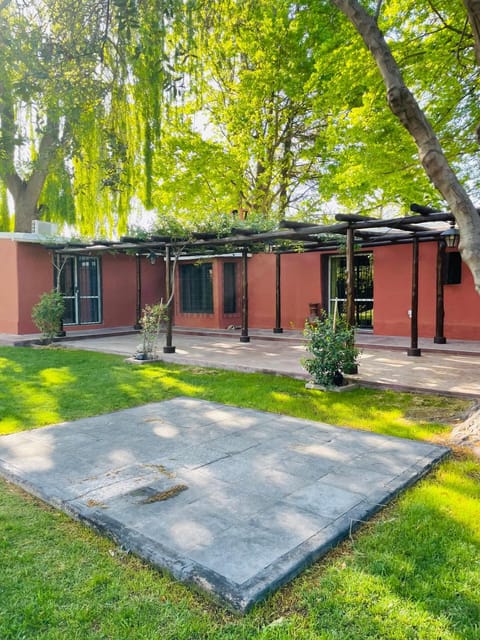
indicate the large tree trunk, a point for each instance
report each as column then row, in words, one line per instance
column 25, row 193
column 25, row 197
column 406, row 109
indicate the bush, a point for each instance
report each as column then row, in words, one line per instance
column 47, row 314
column 152, row 320
column 332, row 345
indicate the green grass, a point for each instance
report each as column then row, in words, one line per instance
column 412, row 572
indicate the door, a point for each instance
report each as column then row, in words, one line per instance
column 79, row 279
column 363, row 268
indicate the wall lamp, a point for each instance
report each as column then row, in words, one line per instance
column 451, row 236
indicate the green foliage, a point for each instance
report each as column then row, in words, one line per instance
column 372, row 161
column 56, row 202
column 152, row 320
column 331, row 342
column 5, row 221
column 196, row 109
column 253, row 100
column 47, row 314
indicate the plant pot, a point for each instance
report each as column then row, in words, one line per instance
column 351, row 369
column 347, row 386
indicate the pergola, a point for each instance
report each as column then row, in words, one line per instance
column 349, row 231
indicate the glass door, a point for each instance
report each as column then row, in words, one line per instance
column 363, row 268
column 79, row 279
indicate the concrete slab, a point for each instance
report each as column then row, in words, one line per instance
column 235, row 501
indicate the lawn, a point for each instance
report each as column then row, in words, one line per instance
column 412, row 572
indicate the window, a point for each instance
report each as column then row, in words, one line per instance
column 452, row 273
column 229, row 287
column 196, row 290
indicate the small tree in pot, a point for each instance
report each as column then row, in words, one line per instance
column 152, row 321
column 47, row 314
column 331, row 343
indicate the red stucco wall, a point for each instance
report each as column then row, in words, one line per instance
column 35, row 276
column 300, row 285
column 27, row 272
column 462, row 309
column 8, row 287
column 119, row 286
column 393, row 285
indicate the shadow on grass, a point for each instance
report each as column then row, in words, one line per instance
column 45, row 386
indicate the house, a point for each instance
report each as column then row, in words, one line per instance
column 403, row 278
column 100, row 290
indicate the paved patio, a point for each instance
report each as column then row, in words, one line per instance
column 234, row 501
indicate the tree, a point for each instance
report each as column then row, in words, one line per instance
column 248, row 106
column 48, row 57
column 411, row 115
column 80, row 94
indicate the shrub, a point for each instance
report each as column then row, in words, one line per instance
column 332, row 345
column 47, row 314
column 152, row 321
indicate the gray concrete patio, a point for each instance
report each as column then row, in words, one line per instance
column 234, row 501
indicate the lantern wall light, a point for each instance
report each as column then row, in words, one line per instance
column 451, row 236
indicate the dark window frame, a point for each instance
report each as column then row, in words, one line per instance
column 84, row 297
column 230, row 288
column 196, row 288
column 452, row 268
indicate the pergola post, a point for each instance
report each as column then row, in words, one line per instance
column 168, row 348
column 138, row 311
column 350, row 278
column 278, row 296
column 440, row 307
column 414, row 350
column 244, row 337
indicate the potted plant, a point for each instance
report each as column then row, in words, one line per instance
column 47, row 314
column 152, row 321
column 331, row 343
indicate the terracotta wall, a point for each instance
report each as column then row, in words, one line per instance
column 119, row 286
column 300, row 285
column 462, row 309
column 35, row 276
column 392, row 293
column 26, row 272
column 8, row 287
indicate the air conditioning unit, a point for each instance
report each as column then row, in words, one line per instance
column 42, row 228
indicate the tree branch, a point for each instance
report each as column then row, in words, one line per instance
column 377, row 10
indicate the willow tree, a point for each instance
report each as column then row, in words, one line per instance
column 80, row 94
column 418, row 21
column 48, row 77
